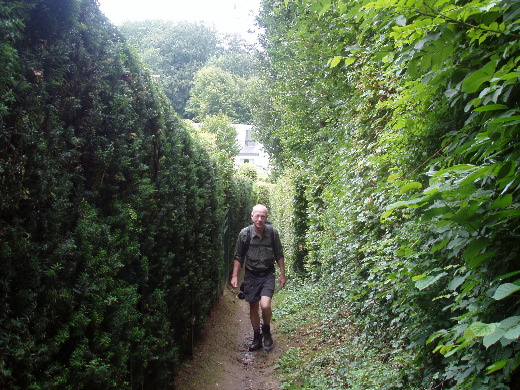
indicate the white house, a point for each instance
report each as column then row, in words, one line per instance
column 250, row 151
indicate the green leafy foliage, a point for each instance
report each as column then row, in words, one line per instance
column 401, row 118
column 226, row 134
column 248, row 171
column 239, row 66
column 214, row 92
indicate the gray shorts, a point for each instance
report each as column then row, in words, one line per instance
column 256, row 286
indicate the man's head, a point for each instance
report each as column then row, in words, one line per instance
column 259, row 216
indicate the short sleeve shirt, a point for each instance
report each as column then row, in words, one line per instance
column 260, row 255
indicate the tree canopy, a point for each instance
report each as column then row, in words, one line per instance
column 214, row 92
column 202, row 72
column 174, row 52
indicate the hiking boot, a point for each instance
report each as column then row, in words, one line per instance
column 266, row 333
column 257, row 342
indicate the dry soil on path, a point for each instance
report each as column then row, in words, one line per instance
column 221, row 359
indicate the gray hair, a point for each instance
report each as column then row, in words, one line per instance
column 259, row 207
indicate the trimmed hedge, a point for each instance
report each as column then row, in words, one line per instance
column 111, row 216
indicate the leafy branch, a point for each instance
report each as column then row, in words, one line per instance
column 461, row 22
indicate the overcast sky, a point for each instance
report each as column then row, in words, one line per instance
column 227, row 16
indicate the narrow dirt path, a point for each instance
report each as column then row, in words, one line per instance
column 221, row 359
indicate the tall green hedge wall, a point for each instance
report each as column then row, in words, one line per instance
column 111, row 217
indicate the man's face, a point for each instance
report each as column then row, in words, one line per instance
column 259, row 217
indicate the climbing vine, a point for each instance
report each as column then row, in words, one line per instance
column 403, row 118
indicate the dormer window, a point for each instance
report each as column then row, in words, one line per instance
column 249, row 139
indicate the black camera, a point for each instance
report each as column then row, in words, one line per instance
column 241, row 294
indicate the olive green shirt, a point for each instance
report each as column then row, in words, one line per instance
column 260, row 256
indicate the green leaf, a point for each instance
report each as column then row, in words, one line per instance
column 441, row 3
column 502, row 202
column 492, row 338
column 455, row 168
column 479, row 173
column 505, row 290
column 508, row 275
column 507, row 213
column 491, row 107
column 479, row 259
column 456, row 282
column 496, row 366
column 509, row 322
column 413, row 203
column 350, row 60
column 427, row 281
column 326, row 5
column 439, row 245
column 505, row 119
column 335, row 61
column 475, row 247
column 479, row 329
column 472, row 83
column 513, row 333
column 393, row 177
column 410, row 186
column 505, row 169
column 432, row 212
column 458, row 348
column 462, row 192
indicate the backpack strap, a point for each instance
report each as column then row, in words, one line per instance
column 273, row 241
column 245, row 248
column 249, row 235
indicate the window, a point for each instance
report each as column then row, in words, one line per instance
column 249, row 138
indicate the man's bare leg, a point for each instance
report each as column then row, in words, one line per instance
column 267, row 313
column 254, row 316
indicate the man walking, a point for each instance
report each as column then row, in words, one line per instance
column 259, row 247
